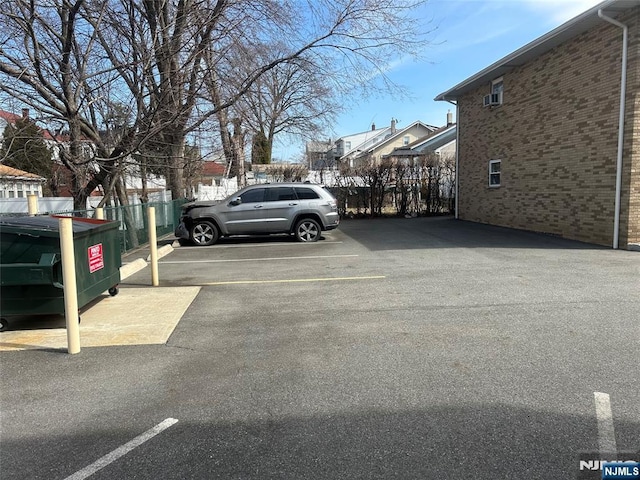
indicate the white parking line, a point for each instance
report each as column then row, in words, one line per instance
column 606, row 432
column 270, row 244
column 265, row 259
column 294, row 280
column 121, row 451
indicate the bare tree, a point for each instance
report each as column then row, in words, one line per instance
column 23, row 147
column 293, row 172
column 171, row 63
column 286, row 83
column 290, row 100
column 376, row 177
column 47, row 54
column 448, row 181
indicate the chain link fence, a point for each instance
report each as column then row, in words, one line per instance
column 133, row 220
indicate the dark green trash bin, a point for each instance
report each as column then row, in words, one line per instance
column 31, row 264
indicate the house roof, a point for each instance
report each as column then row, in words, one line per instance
column 9, row 117
column 12, row 118
column 363, row 140
column 391, row 137
column 14, row 173
column 213, row 169
column 543, row 44
column 318, row 145
column 429, row 143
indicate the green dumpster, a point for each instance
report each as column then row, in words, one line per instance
column 31, row 264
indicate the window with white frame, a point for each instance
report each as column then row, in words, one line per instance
column 495, row 167
column 405, row 140
column 347, row 146
column 497, row 89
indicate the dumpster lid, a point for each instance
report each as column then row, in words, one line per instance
column 50, row 223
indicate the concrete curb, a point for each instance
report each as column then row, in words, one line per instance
column 129, row 269
column 162, row 251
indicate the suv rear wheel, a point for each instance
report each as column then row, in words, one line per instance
column 204, row 233
column 307, row 230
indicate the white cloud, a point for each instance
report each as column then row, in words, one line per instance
column 471, row 25
column 559, row 11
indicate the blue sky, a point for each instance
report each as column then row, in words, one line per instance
column 466, row 36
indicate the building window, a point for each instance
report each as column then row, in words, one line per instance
column 497, row 88
column 347, row 146
column 405, row 140
column 494, row 173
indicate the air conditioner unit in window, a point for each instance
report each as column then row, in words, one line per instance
column 492, row 99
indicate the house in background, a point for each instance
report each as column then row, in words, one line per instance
column 8, row 118
column 60, row 181
column 441, row 143
column 350, row 144
column 430, row 166
column 16, row 183
column 372, row 152
column 211, row 173
column 545, row 142
column 319, row 155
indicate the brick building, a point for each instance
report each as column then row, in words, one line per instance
column 538, row 132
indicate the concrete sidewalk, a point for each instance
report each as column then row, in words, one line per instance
column 136, row 316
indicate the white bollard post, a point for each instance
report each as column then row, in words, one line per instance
column 32, row 205
column 153, row 246
column 99, row 213
column 69, row 282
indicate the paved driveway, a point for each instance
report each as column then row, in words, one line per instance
column 408, row 348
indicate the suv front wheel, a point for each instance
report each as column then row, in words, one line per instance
column 204, row 233
column 307, row 230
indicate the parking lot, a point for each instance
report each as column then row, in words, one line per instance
column 422, row 348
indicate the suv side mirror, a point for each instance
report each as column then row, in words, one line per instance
column 235, row 201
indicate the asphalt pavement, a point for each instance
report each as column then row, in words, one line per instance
column 422, row 348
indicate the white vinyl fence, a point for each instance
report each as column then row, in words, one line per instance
column 19, row 206
column 217, row 192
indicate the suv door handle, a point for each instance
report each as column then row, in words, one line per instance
column 258, row 206
column 293, row 204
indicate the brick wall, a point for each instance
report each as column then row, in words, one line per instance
column 556, row 137
column 632, row 146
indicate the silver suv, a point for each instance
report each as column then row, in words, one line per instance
column 301, row 209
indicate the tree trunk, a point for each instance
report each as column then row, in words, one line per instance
column 129, row 223
column 238, row 150
column 174, row 175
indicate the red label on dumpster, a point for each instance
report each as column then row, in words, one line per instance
column 96, row 260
